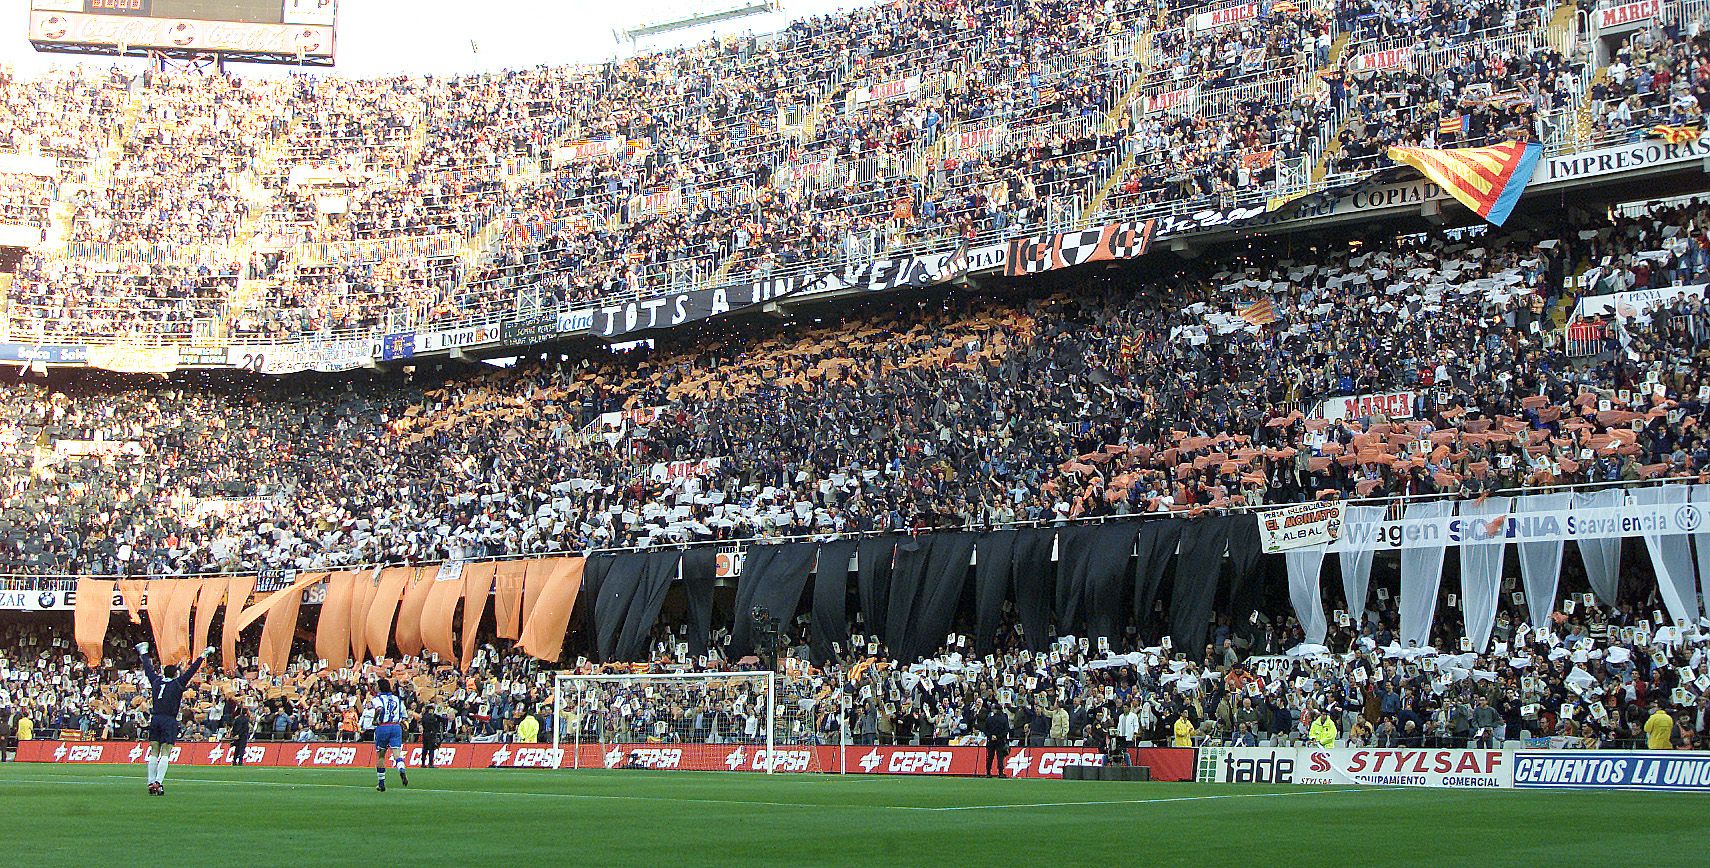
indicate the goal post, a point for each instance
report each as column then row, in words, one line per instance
column 708, row 721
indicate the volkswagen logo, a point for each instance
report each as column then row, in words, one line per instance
column 1688, row 518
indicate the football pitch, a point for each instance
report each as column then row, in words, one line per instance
column 58, row 815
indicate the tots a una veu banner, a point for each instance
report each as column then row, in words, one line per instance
column 1488, row 180
column 1125, row 240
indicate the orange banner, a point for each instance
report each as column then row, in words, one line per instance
column 94, row 611
column 534, row 581
column 543, row 635
column 133, row 591
column 281, row 627
column 332, row 631
column 361, row 599
column 507, row 599
column 379, row 626
column 477, row 584
column 295, row 589
column 207, row 603
column 169, row 620
column 408, row 635
column 237, row 596
column 438, row 611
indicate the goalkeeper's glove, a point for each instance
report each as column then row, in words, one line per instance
column 142, row 647
column 208, row 651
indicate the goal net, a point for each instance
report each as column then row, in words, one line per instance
column 704, row 721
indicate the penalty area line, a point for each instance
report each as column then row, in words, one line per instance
column 548, row 795
column 1153, row 801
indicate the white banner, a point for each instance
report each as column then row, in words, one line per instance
column 671, row 471
column 1227, row 15
column 1395, row 405
column 1168, row 100
column 1387, row 59
column 1300, row 525
column 1411, row 767
column 984, row 137
column 576, row 152
column 324, row 356
column 1629, row 13
column 469, row 336
column 1525, row 527
column 1627, row 305
column 885, row 90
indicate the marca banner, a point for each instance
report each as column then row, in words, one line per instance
column 401, row 345
column 1167, row 764
column 1549, row 526
column 468, row 336
column 1488, row 180
column 324, row 356
column 576, row 152
column 1613, row 770
column 657, row 201
column 134, row 360
column 985, row 137
column 1300, row 525
column 1628, row 14
column 671, row 471
column 1168, row 100
column 666, row 311
column 1114, row 241
column 1386, row 59
column 1227, row 15
column 885, row 90
column 1459, row 768
column 1396, row 405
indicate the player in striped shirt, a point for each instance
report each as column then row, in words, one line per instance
column 388, row 732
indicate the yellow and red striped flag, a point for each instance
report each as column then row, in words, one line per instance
column 1259, row 313
column 1675, row 134
column 1488, row 180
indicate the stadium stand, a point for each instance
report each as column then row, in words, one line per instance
column 172, row 210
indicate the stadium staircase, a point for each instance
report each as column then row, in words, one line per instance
column 1333, row 145
column 100, row 170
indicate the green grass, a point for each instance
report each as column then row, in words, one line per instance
column 99, row 815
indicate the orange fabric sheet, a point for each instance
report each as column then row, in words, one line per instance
column 94, row 611
column 439, row 609
column 237, row 597
column 208, row 601
column 379, row 625
column 543, row 635
column 477, row 585
column 507, row 599
column 332, row 631
column 408, row 635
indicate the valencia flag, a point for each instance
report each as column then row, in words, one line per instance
column 1260, row 313
column 1488, row 180
column 1674, row 134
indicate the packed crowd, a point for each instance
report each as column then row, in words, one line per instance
column 440, row 199
column 1168, row 393
column 1597, row 675
column 1654, row 77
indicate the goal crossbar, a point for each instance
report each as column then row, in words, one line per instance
column 564, row 683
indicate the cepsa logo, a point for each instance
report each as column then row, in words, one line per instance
column 140, row 753
column 919, row 762
column 535, row 758
column 78, row 753
column 442, row 756
column 1051, row 764
column 327, row 756
column 655, row 758
column 778, row 760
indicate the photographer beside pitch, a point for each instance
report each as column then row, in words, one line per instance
column 166, row 692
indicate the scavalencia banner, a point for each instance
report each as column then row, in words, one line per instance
column 1627, row 520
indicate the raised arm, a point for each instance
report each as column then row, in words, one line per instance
column 148, row 665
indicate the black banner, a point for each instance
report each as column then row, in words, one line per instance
column 1032, row 560
column 1106, row 581
column 656, row 579
column 1125, row 240
column 617, row 589
column 666, row 311
column 915, row 271
column 993, row 566
column 529, row 329
column 873, row 580
column 831, row 600
column 1204, row 541
column 700, row 571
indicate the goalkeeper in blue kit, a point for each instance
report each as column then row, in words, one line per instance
column 166, row 694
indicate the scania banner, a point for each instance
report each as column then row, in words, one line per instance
column 1632, row 519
